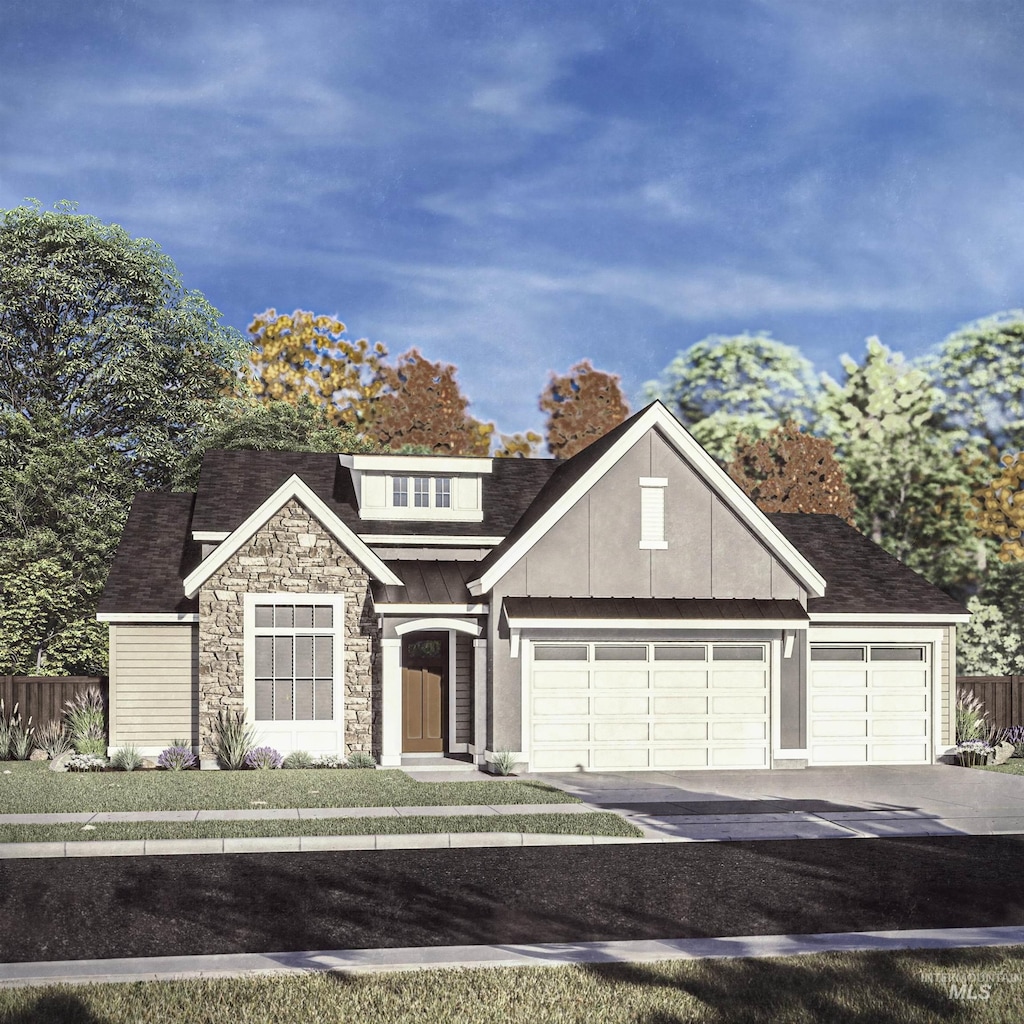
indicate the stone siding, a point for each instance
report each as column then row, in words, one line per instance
column 292, row 553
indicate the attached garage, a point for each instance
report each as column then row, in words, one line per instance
column 870, row 703
column 607, row 706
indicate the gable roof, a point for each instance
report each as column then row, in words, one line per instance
column 156, row 550
column 293, row 487
column 863, row 579
column 576, row 476
column 232, row 483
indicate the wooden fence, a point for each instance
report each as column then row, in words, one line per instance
column 1003, row 697
column 43, row 697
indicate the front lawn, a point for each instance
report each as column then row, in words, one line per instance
column 590, row 824
column 1015, row 766
column 31, row 788
column 977, row 985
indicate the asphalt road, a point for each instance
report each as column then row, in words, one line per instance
column 162, row 906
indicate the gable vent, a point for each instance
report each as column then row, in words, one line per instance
column 652, row 512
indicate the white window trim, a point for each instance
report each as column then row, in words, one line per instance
column 337, row 631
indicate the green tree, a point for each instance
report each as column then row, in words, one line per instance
column 422, row 404
column 981, row 370
column 744, row 384
column 97, row 330
column 988, row 645
column 305, row 356
column 912, row 478
column 301, row 426
column 581, row 406
column 788, row 470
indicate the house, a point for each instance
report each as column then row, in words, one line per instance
column 629, row 608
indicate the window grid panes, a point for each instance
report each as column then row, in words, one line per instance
column 443, row 492
column 421, row 490
column 294, row 665
column 400, row 491
column 425, row 491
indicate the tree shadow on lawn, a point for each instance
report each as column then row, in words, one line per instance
column 53, row 1008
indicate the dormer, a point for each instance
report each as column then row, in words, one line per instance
column 418, row 487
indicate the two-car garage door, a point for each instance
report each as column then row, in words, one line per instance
column 660, row 706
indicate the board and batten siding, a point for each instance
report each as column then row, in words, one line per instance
column 463, row 688
column 948, row 684
column 154, row 685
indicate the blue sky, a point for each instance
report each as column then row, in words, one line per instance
column 514, row 185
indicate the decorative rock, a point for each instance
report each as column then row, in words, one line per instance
column 1003, row 752
column 60, row 764
column 148, row 762
column 38, row 755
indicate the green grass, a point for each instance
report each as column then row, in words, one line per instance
column 31, row 788
column 840, row 988
column 592, row 824
column 1015, row 766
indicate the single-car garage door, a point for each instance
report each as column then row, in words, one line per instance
column 628, row 705
column 870, row 704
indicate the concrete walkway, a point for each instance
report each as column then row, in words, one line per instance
column 363, row 961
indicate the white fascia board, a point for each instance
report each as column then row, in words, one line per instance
column 473, row 629
column 658, row 416
column 429, row 540
column 293, row 487
column 431, row 609
column 215, row 536
column 147, row 617
column 655, row 624
column 433, row 464
column 867, row 619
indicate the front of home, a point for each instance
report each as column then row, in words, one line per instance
column 629, row 608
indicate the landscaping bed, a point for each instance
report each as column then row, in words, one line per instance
column 31, row 788
column 908, row 986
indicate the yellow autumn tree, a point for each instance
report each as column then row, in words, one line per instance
column 302, row 354
column 998, row 508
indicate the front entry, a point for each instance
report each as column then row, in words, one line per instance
column 424, row 692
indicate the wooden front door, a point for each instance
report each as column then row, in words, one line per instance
column 424, row 689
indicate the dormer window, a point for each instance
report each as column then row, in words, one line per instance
column 419, row 487
column 427, row 491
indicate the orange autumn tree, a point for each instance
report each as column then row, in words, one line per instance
column 791, row 471
column 422, row 404
column 303, row 355
column 998, row 508
column 581, row 406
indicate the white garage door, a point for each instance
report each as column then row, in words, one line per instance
column 870, row 704
column 627, row 705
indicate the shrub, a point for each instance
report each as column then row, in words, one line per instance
column 53, row 738
column 361, row 759
column 86, row 763
column 6, row 725
column 970, row 717
column 327, row 761
column 127, row 758
column 1014, row 734
column 973, row 752
column 85, row 719
column 176, row 759
column 22, row 739
column 233, row 738
column 298, row 759
column 262, row 758
column 504, row 762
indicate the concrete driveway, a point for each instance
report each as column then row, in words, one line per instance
column 812, row 803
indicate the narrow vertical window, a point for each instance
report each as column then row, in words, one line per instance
column 652, row 512
column 443, row 492
column 400, row 491
column 422, row 491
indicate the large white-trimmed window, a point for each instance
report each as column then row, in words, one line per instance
column 296, row 651
column 421, row 491
column 652, row 512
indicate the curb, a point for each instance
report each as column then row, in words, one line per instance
column 370, row 961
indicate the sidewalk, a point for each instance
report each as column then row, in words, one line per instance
column 362, row 961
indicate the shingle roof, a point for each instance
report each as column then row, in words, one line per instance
column 155, row 554
column 860, row 576
column 234, row 483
